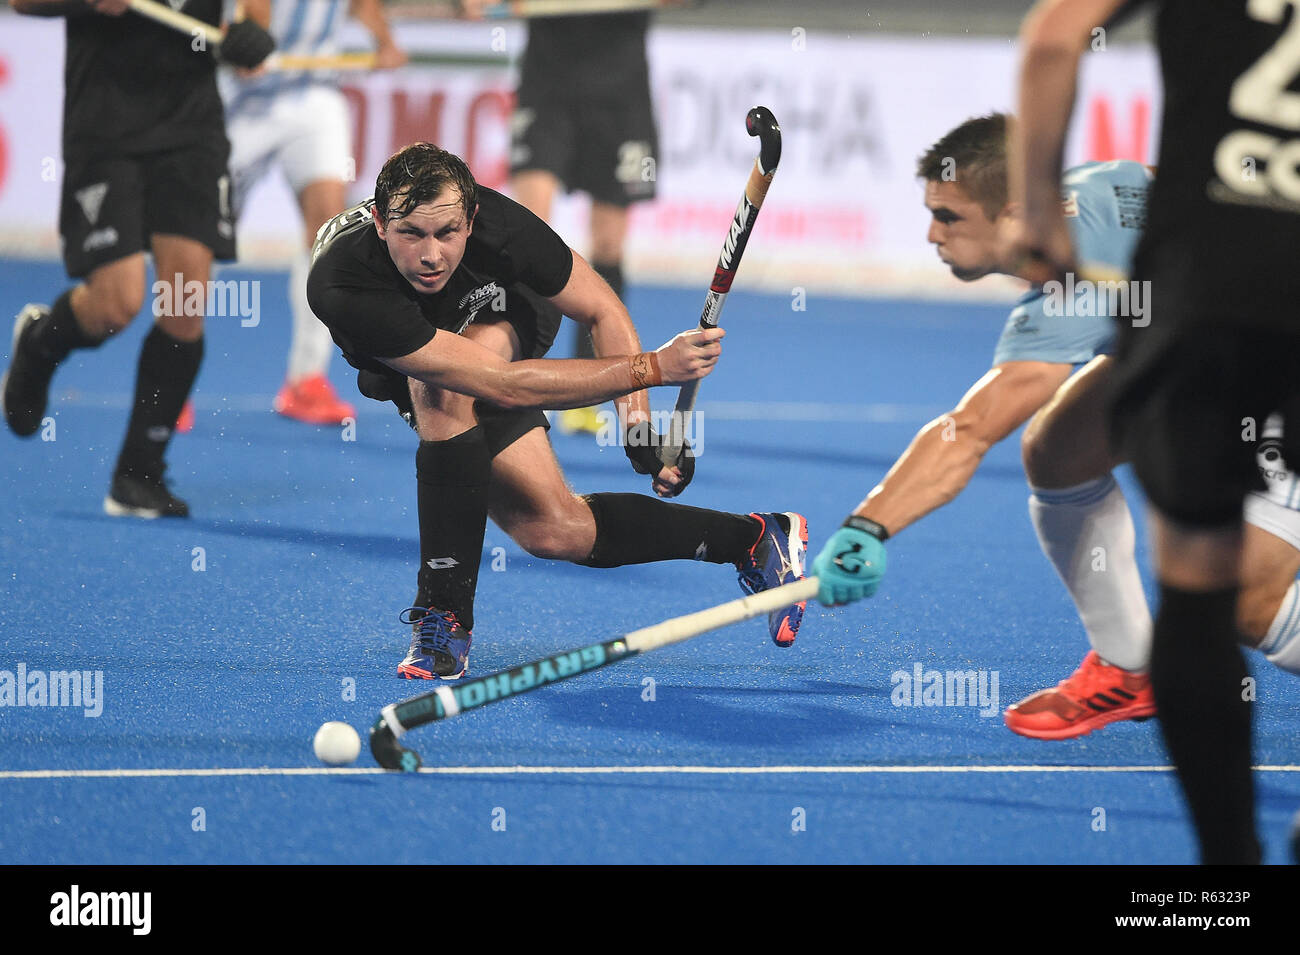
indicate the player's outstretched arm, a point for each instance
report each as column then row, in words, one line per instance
column 1052, row 38
column 933, row 470
column 457, row 364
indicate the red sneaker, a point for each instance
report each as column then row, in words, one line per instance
column 1094, row 695
column 185, row 422
column 313, row 400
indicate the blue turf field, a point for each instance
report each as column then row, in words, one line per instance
column 310, row 544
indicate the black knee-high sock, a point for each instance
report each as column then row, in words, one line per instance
column 59, row 334
column 1197, row 674
column 164, row 377
column 613, row 274
column 452, row 478
column 635, row 529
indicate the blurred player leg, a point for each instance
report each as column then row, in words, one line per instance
column 1198, row 674
column 84, row 316
column 535, row 190
column 169, row 363
column 1268, row 610
column 1085, row 529
column 305, row 129
column 1181, row 395
column 307, row 394
column 608, row 234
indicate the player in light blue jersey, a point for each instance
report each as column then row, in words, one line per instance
column 298, row 119
column 1078, row 510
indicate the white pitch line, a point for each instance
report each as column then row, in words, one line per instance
column 591, row 771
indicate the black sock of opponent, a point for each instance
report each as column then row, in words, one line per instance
column 636, row 529
column 612, row 273
column 1197, row 674
column 164, row 377
column 59, row 334
column 452, row 493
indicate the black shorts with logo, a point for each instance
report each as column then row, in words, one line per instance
column 1188, row 410
column 605, row 146
column 112, row 204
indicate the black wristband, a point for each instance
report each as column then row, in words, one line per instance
column 869, row 526
column 641, row 444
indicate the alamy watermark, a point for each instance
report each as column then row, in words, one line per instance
column 70, row 688
column 1087, row 298
column 611, row 434
column 129, row 909
column 229, row 298
column 922, row 687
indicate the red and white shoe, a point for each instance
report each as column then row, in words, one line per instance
column 312, row 400
column 1093, row 696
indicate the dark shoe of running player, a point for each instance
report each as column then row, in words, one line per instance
column 777, row 558
column 134, row 495
column 26, row 384
column 1091, row 697
column 439, row 646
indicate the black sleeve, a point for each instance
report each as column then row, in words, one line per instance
column 364, row 320
column 525, row 248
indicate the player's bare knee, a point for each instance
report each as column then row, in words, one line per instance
column 108, row 307
column 439, row 414
column 1256, row 609
column 562, row 532
column 548, row 539
column 1050, row 462
column 1044, row 464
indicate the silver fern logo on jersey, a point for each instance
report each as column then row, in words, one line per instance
column 475, row 300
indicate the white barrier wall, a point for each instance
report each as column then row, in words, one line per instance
column 845, row 210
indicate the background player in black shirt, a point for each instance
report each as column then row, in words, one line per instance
column 144, row 150
column 1220, row 353
column 584, row 120
column 445, row 294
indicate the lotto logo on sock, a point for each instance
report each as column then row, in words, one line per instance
column 65, row 688
column 230, row 298
column 922, row 687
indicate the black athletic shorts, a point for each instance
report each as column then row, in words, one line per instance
column 607, row 147
column 111, row 205
column 1188, row 410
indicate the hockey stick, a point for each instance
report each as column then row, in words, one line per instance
column 528, row 9
column 332, row 61
column 447, row 701
column 183, row 23
column 761, row 123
